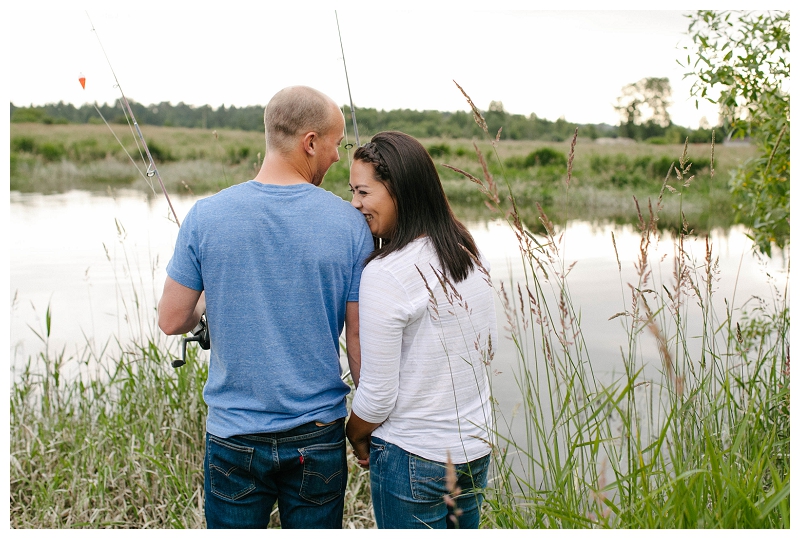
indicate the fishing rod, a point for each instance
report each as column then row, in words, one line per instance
column 352, row 108
column 352, row 111
column 378, row 242
column 200, row 333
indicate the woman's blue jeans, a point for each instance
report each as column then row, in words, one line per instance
column 409, row 491
column 304, row 469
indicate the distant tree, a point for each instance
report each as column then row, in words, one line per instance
column 645, row 101
column 745, row 57
column 427, row 123
column 496, row 117
column 497, row 106
column 26, row 114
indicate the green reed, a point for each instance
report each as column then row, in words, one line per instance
column 121, row 446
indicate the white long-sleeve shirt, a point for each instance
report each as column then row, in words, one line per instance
column 424, row 355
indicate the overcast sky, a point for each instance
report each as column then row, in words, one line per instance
column 551, row 63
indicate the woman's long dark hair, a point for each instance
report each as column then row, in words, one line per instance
column 409, row 174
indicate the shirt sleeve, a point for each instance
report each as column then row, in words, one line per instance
column 364, row 248
column 384, row 312
column 184, row 266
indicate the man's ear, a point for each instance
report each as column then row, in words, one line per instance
column 309, row 142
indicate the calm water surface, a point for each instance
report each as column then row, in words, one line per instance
column 91, row 258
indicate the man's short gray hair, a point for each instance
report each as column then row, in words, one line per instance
column 294, row 111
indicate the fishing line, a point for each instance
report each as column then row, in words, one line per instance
column 347, row 145
column 142, row 174
column 347, row 79
column 135, row 140
column 152, row 170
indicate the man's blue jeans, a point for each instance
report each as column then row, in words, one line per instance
column 408, row 491
column 304, row 469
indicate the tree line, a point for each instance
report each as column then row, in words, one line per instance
column 422, row 124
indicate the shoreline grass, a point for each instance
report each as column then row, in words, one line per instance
column 122, row 444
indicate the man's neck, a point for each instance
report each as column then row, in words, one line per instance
column 278, row 169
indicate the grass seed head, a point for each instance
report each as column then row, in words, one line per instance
column 475, row 112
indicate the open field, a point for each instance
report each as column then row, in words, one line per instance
column 605, row 177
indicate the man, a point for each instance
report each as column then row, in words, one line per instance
column 275, row 263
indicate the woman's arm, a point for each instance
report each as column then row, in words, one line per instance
column 383, row 315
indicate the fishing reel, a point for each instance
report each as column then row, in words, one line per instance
column 200, row 335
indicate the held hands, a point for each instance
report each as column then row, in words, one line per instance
column 361, row 452
column 358, row 432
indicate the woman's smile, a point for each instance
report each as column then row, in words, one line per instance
column 372, row 198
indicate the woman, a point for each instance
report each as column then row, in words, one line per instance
column 427, row 323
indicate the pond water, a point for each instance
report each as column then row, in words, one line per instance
column 98, row 262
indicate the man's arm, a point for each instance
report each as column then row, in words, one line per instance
column 180, row 308
column 352, row 341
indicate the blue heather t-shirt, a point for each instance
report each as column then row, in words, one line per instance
column 278, row 265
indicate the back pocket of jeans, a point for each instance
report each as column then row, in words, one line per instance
column 377, row 451
column 324, row 472
column 229, row 468
column 427, row 479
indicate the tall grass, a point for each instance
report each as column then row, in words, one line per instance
column 117, row 447
column 121, row 445
column 702, row 443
